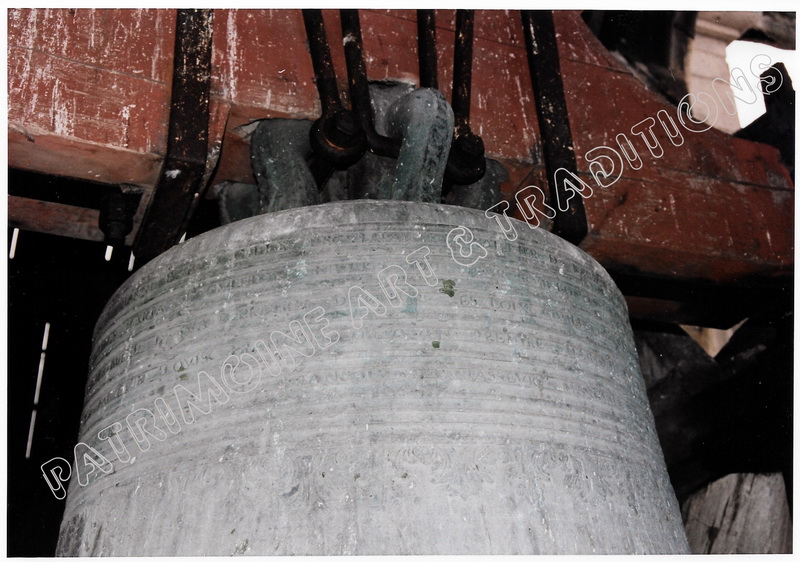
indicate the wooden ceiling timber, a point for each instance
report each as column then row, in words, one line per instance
column 715, row 208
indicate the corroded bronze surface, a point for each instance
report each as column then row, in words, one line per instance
column 368, row 378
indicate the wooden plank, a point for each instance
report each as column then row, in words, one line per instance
column 64, row 156
column 603, row 104
column 47, row 217
column 134, row 42
column 699, row 227
column 54, row 95
column 740, row 514
column 88, row 99
column 712, row 208
column 76, row 75
column 260, row 61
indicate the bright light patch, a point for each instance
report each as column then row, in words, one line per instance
column 39, row 378
column 12, row 252
column 739, row 54
column 46, row 336
column 30, row 435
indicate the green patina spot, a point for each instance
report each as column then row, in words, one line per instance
column 448, row 287
column 435, row 344
column 184, row 377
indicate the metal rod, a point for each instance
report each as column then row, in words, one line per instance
column 181, row 181
column 466, row 163
column 321, row 59
column 462, row 69
column 551, row 109
column 336, row 138
column 359, row 86
column 426, row 38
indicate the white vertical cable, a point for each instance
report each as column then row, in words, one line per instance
column 46, row 336
column 39, row 379
column 13, row 249
column 30, row 435
column 130, row 262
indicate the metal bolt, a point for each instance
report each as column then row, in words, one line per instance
column 470, row 146
column 343, row 129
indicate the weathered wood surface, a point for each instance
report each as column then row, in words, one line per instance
column 89, row 98
column 99, row 76
column 730, row 413
column 740, row 514
column 48, row 217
